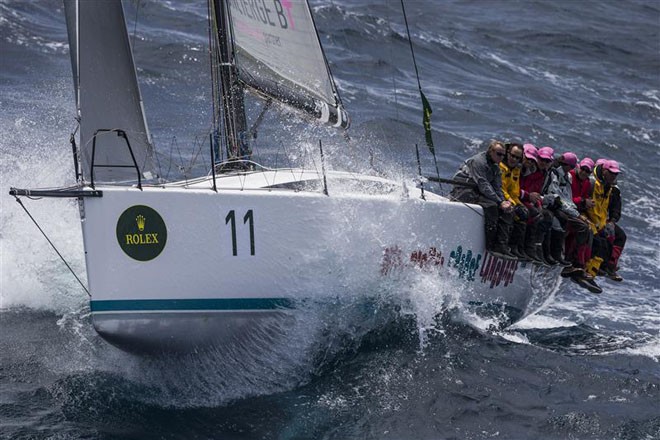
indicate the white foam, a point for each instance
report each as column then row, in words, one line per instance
column 36, row 154
column 516, row 337
column 427, row 296
column 542, row 321
column 652, row 94
column 509, row 64
column 650, row 349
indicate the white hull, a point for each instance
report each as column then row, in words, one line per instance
column 204, row 284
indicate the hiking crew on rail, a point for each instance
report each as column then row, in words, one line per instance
column 547, row 209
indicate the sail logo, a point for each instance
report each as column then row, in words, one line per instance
column 141, row 233
column 278, row 14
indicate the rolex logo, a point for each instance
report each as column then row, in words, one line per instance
column 140, row 222
column 139, row 239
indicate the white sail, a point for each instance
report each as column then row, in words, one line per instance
column 107, row 93
column 279, row 54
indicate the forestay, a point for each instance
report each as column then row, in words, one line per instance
column 107, row 93
column 279, row 54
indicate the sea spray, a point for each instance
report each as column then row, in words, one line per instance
column 31, row 273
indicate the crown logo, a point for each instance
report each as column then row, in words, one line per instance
column 140, row 222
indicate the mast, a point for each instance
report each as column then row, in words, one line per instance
column 232, row 99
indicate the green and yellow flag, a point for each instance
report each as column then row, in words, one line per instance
column 427, row 122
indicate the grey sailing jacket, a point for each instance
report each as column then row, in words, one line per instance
column 485, row 173
column 559, row 187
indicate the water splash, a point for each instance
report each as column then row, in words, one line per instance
column 35, row 154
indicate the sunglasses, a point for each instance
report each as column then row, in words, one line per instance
column 545, row 160
column 585, row 169
column 498, row 154
column 515, row 156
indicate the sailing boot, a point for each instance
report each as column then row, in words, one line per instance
column 516, row 240
column 501, row 248
column 572, row 271
column 592, row 269
column 612, row 274
column 545, row 246
column 556, row 246
column 532, row 237
column 520, row 252
column 587, row 283
column 582, row 255
column 534, row 253
column 593, row 265
column 491, row 236
column 610, row 268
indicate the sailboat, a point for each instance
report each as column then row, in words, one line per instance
column 187, row 264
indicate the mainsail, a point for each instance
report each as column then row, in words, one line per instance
column 279, row 54
column 107, row 93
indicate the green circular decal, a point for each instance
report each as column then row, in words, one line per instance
column 141, row 233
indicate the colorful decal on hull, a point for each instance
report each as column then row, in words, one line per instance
column 467, row 264
column 498, row 270
column 495, row 270
column 393, row 259
column 141, row 233
column 427, row 259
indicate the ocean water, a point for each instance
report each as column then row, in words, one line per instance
column 580, row 76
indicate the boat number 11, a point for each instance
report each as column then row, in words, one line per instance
column 248, row 219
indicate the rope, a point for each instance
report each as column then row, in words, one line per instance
column 452, row 199
column 53, row 246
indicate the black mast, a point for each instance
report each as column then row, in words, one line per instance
column 232, row 98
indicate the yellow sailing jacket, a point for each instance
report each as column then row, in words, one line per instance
column 601, row 197
column 511, row 183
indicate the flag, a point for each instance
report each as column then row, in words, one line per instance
column 427, row 122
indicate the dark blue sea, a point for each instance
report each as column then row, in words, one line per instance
column 578, row 75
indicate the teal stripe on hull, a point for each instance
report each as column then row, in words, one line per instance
column 145, row 305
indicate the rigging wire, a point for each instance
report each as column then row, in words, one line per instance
column 396, row 102
column 427, row 107
column 419, row 85
column 138, row 6
column 137, row 12
column 419, row 170
column 350, row 141
column 53, row 246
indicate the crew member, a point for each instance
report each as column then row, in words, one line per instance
column 603, row 178
column 510, row 168
column 577, row 232
column 581, row 185
column 611, row 267
column 546, row 162
column 538, row 224
column 581, row 189
column 483, row 186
